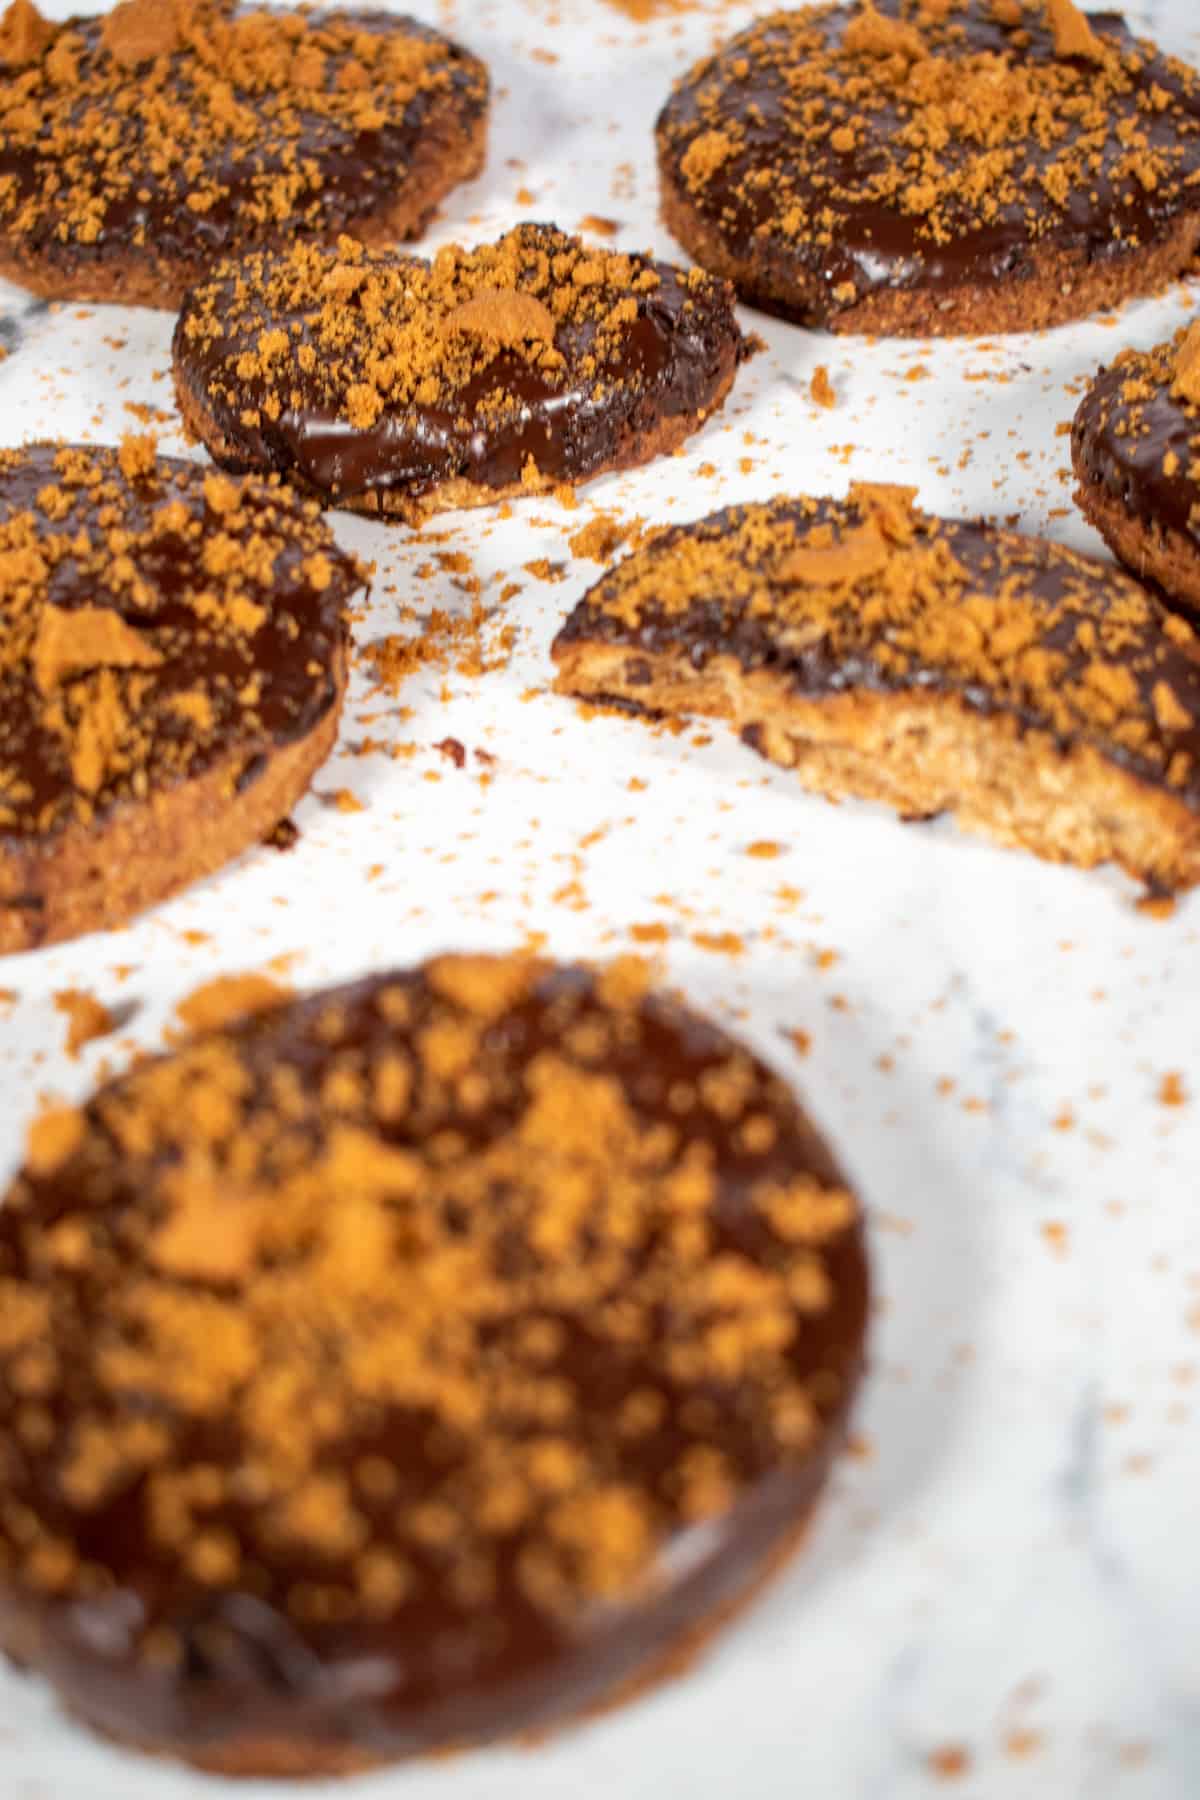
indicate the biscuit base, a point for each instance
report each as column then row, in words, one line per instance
column 139, row 276
column 94, row 877
column 298, row 1758
column 922, row 755
column 1056, row 286
column 1150, row 551
column 642, row 444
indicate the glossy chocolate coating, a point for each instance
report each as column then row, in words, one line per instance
column 1067, row 590
column 673, row 360
column 349, row 176
column 870, row 245
column 291, row 654
column 434, row 1672
column 1124, row 448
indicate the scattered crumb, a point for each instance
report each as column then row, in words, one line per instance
column 453, row 751
column 720, row 943
column 604, row 533
column 346, row 801
column 1056, row 1236
column 217, row 1003
column 284, row 836
column 950, row 1762
column 87, row 1018
column 820, row 388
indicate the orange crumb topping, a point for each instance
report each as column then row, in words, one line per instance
column 137, row 31
column 1073, row 36
column 820, row 389
column 1187, row 365
column 87, row 1018
column 228, row 997
column 24, row 34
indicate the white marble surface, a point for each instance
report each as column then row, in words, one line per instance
column 1002, row 1598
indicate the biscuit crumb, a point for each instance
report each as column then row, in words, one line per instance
column 1187, row 365
column 227, row 998
column 1073, row 36
column 86, row 637
column 137, row 31
column 950, row 1762
column 87, row 1018
column 505, row 316
column 821, row 389
column 24, row 34
column 53, row 1138
column 871, row 33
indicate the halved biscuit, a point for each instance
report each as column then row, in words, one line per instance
column 172, row 668
column 426, row 1362
column 386, row 384
column 137, row 147
column 1045, row 699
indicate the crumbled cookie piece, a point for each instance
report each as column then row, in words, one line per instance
column 1072, row 34
column 24, row 34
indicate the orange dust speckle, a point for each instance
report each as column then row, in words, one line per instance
column 949, row 1762
column 1056, row 1236
column 721, row 943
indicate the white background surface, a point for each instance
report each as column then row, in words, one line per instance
column 1003, row 1594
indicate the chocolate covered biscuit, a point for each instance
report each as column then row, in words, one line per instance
column 172, row 667
column 921, row 167
column 137, row 147
column 425, row 1362
column 387, row 384
column 1135, row 444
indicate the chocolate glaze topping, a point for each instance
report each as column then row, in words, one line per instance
column 1136, row 435
column 393, row 375
column 155, row 620
column 469, row 1337
column 848, row 150
column 869, row 593
column 181, row 130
